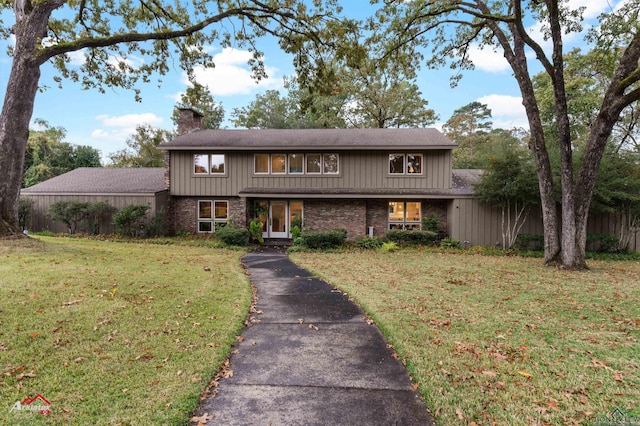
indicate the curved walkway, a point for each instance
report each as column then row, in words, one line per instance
column 312, row 359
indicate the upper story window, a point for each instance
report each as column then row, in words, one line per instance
column 297, row 163
column 405, row 164
column 209, row 164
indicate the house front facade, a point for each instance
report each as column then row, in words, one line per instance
column 366, row 181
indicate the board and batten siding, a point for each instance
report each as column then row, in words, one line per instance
column 477, row 224
column 358, row 170
column 39, row 220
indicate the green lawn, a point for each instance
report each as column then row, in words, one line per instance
column 115, row 333
column 502, row 340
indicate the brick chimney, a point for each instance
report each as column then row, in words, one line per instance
column 189, row 120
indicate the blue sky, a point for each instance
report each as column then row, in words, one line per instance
column 104, row 121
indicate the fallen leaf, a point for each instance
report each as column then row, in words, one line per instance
column 34, row 334
column 73, row 302
column 525, row 374
column 489, row 373
column 617, row 376
column 202, row 419
column 460, row 413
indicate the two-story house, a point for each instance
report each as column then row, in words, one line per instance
column 363, row 180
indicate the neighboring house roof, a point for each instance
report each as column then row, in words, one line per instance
column 99, row 180
column 462, row 182
column 317, row 139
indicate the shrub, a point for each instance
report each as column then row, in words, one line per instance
column 323, row 240
column 96, row 213
column 530, row 242
column 411, row 237
column 25, row 207
column 369, row 243
column 450, row 243
column 69, row 212
column 129, row 221
column 232, row 236
column 603, row 243
column 389, row 247
column 431, row 223
column 295, row 231
column 255, row 230
column 158, row 225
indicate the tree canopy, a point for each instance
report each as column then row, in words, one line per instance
column 47, row 155
column 450, row 29
column 109, row 34
column 142, row 148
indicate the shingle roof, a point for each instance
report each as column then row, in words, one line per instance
column 335, row 139
column 463, row 180
column 98, row 180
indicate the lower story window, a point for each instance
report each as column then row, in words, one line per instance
column 405, row 215
column 212, row 215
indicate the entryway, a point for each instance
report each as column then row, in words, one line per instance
column 278, row 217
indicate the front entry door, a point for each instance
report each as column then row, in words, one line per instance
column 278, row 223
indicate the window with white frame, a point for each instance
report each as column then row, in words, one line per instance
column 297, row 164
column 405, row 215
column 405, row 164
column 212, row 215
column 209, row 164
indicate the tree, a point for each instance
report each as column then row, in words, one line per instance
column 509, row 182
column 503, row 25
column 47, row 155
column 468, row 127
column 109, row 33
column 295, row 110
column 199, row 97
column 142, row 148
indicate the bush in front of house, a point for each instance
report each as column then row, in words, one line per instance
column 69, row 212
column 369, row 243
column 322, row 240
column 232, row 236
column 416, row 237
column 130, row 220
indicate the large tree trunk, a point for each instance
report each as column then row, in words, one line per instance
column 16, row 113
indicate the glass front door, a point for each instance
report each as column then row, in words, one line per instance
column 278, row 217
column 278, row 226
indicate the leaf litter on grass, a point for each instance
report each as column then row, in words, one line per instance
column 502, row 339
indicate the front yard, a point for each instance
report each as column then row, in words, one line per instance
column 502, row 340
column 114, row 333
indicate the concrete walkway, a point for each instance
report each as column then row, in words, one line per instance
column 312, row 359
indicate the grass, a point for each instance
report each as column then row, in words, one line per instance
column 115, row 333
column 502, row 340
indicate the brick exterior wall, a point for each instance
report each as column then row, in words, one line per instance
column 322, row 215
column 438, row 208
column 378, row 216
column 184, row 212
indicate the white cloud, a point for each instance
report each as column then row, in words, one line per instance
column 488, row 60
column 77, row 57
column 115, row 130
column 506, row 111
column 232, row 75
column 593, row 8
column 129, row 120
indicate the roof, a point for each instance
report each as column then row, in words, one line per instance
column 99, row 180
column 334, row 139
column 462, row 182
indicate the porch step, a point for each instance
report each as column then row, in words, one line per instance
column 278, row 242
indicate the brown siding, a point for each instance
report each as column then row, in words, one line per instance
column 39, row 220
column 480, row 225
column 357, row 171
